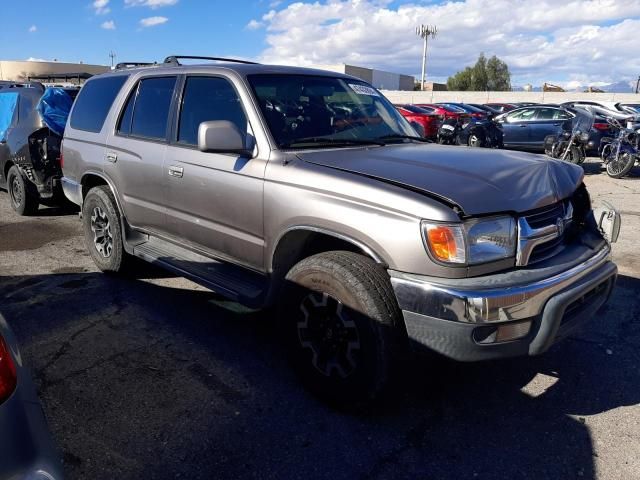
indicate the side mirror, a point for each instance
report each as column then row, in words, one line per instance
column 222, row 136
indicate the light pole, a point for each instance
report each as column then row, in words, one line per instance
column 424, row 32
column 112, row 55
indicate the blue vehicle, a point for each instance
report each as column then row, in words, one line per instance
column 526, row 128
column 26, row 448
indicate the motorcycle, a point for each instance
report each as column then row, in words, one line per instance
column 471, row 132
column 572, row 142
column 621, row 153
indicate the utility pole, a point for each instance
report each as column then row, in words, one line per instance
column 424, row 32
column 638, row 85
column 112, row 55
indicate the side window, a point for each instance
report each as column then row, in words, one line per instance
column 547, row 113
column 124, row 125
column 94, row 102
column 206, row 99
column 152, row 104
column 522, row 115
column 560, row 115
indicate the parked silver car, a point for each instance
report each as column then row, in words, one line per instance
column 307, row 190
column 26, row 449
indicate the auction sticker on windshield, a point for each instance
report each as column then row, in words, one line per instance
column 363, row 90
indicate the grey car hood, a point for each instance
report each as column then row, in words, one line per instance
column 480, row 181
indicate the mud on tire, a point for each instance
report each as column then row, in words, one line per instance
column 342, row 327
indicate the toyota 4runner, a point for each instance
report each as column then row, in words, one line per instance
column 308, row 191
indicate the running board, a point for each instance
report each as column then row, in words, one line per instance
column 236, row 283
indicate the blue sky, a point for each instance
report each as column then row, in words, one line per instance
column 72, row 31
column 586, row 42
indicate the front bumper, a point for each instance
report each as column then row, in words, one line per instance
column 503, row 315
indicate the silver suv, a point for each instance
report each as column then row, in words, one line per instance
column 308, row 191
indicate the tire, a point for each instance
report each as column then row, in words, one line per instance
column 476, row 141
column 618, row 168
column 103, row 230
column 575, row 156
column 22, row 194
column 342, row 327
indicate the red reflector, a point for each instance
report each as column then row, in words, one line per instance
column 8, row 378
column 601, row 126
column 61, row 158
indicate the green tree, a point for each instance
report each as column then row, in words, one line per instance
column 479, row 80
column 460, row 81
column 492, row 74
column 498, row 76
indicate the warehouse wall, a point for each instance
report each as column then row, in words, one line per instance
column 506, row 97
column 16, row 71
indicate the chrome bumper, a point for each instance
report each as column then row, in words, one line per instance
column 511, row 318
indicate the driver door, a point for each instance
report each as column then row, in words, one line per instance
column 214, row 200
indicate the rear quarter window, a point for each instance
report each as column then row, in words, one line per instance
column 94, row 102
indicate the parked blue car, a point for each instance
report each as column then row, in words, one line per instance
column 526, row 128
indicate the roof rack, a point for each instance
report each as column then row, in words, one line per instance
column 174, row 59
column 125, row 65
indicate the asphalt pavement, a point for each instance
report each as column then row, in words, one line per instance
column 151, row 376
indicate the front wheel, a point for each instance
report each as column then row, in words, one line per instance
column 621, row 166
column 342, row 326
column 103, row 231
column 476, row 140
column 24, row 198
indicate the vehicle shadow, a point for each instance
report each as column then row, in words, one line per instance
column 142, row 380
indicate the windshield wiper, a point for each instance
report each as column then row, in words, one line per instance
column 332, row 141
column 397, row 136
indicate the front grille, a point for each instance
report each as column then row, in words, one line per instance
column 544, row 217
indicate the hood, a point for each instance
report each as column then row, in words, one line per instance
column 479, row 181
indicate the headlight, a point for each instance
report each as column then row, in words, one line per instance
column 472, row 242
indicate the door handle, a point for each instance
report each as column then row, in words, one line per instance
column 176, row 171
column 524, row 126
column 112, row 157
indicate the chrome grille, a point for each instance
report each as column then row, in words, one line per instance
column 541, row 233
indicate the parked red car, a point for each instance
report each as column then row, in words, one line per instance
column 429, row 121
column 445, row 111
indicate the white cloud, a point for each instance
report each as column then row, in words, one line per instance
column 101, row 7
column 254, row 25
column 108, row 25
column 153, row 4
column 541, row 41
column 33, row 59
column 33, row 28
column 153, row 21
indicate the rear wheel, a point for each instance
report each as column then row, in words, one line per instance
column 342, row 326
column 23, row 195
column 621, row 166
column 103, row 231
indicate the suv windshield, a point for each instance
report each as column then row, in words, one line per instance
column 305, row 111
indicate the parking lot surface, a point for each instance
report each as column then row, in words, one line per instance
column 151, row 376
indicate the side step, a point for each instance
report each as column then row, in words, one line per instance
column 234, row 282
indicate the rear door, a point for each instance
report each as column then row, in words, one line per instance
column 135, row 154
column 516, row 127
column 214, row 200
column 547, row 121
